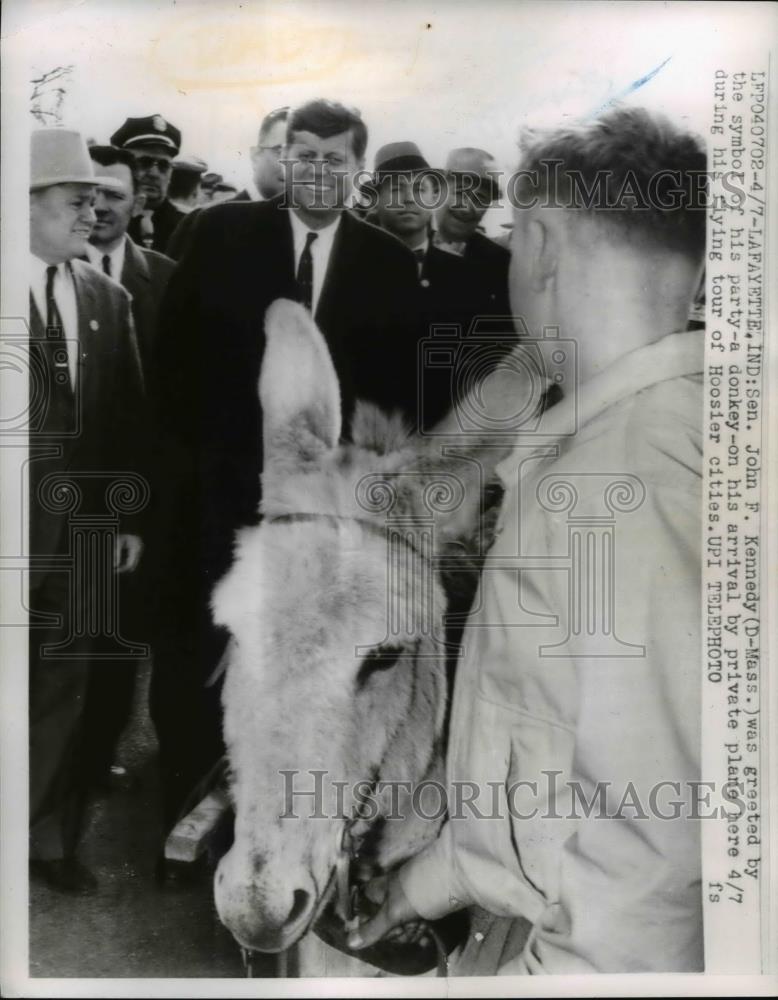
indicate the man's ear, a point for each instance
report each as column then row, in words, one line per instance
column 542, row 245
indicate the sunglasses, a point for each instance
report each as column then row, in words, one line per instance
column 147, row 162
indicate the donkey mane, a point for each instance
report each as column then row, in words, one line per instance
column 377, row 431
column 381, row 448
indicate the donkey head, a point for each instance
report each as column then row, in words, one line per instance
column 336, row 674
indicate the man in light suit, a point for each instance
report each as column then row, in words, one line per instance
column 82, row 435
column 144, row 274
column 360, row 284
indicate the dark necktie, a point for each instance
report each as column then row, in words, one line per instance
column 107, row 265
column 305, row 273
column 421, row 255
column 55, row 334
column 53, row 318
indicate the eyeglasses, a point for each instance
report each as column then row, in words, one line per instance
column 147, row 162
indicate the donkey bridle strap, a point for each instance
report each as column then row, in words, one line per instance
column 377, row 527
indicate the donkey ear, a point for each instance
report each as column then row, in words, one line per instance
column 298, row 386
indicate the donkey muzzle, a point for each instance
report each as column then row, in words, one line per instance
column 265, row 908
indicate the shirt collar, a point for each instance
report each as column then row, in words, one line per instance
column 455, row 247
column 675, row 355
column 95, row 255
column 38, row 270
column 39, row 267
column 326, row 236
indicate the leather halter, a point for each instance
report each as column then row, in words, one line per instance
column 291, row 518
column 377, row 529
column 347, row 892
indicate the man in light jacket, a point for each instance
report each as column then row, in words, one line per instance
column 576, row 717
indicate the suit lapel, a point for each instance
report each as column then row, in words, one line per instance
column 135, row 270
column 336, row 270
column 274, row 253
column 37, row 330
column 286, row 243
column 136, row 278
column 88, row 330
column 266, row 256
column 57, row 416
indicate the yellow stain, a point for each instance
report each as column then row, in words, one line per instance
column 238, row 52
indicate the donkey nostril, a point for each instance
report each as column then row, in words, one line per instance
column 299, row 906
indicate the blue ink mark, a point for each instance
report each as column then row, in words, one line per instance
column 636, row 85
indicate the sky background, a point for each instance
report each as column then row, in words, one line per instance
column 446, row 74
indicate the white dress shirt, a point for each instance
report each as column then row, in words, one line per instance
column 65, row 297
column 321, row 250
column 116, row 255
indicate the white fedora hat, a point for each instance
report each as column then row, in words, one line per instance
column 59, row 156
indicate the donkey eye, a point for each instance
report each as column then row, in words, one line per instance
column 382, row 658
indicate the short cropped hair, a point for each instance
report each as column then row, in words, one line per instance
column 635, row 171
column 270, row 119
column 183, row 182
column 327, row 118
column 109, row 156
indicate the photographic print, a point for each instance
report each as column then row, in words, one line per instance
column 387, row 444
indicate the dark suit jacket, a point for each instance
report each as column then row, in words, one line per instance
column 182, row 234
column 165, row 219
column 95, row 428
column 488, row 264
column 464, row 309
column 145, row 276
column 240, row 258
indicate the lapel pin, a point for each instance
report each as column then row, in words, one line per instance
column 93, row 324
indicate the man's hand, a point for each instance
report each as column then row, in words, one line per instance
column 394, row 912
column 127, row 553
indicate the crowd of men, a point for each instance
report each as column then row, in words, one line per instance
column 117, row 217
column 147, row 307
